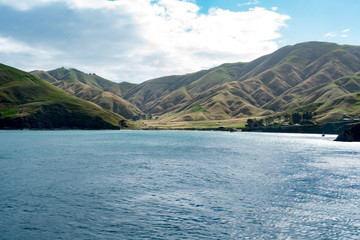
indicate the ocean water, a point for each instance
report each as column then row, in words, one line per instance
column 177, row 185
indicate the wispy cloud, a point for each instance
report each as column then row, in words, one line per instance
column 20, row 53
column 345, row 33
column 342, row 34
column 133, row 40
column 330, row 35
column 253, row 2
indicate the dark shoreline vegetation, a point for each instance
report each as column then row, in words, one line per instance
column 311, row 87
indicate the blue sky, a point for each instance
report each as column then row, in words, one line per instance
column 310, row 20
column 136, row 40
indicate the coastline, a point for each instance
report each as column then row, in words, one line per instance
column 328, row 128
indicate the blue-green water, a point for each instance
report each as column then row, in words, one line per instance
column 177, row 185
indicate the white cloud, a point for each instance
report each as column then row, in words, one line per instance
column 330, row 35
column 342, row 35
column 253, row 2
column 19, row 53
column 274, row 8
column 136, row 40
column 10, row 46
column 25, row 5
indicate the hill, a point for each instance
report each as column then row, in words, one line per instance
column 329, row 101
column 93, row 88
column 292, row 77
column 317, row 78
column 29, row 102
column 90, row 79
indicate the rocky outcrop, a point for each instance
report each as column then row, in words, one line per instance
column 350, row 135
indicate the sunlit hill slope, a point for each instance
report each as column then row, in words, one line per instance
column 29, row 102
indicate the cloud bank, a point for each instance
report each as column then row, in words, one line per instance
column 132, row 40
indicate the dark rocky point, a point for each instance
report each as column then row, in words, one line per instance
column 350, row 135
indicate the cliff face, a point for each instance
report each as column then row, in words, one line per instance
column 350, row 135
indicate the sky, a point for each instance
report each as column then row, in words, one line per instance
column 138, row 40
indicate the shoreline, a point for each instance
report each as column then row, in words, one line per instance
column 328, row 128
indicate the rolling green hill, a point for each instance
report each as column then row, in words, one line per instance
column 92, row 80
column 321, row 93
column 29, row 102
column 291, row 77
column 93, row 88
column 333, row 110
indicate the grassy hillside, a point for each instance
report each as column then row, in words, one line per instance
column 291, row 77
column 29, row 102
column 104, row 99
column 321, row 93
column 90, row 79
column 317, row 77
column 93, row 88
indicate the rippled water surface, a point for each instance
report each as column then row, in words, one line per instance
column 177, row 185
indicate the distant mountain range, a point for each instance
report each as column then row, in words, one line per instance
column 323, row 78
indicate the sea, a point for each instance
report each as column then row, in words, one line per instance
column 177, row 185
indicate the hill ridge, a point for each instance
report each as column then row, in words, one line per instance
column 93, row 88
column 29, row 102
column 259, row 84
